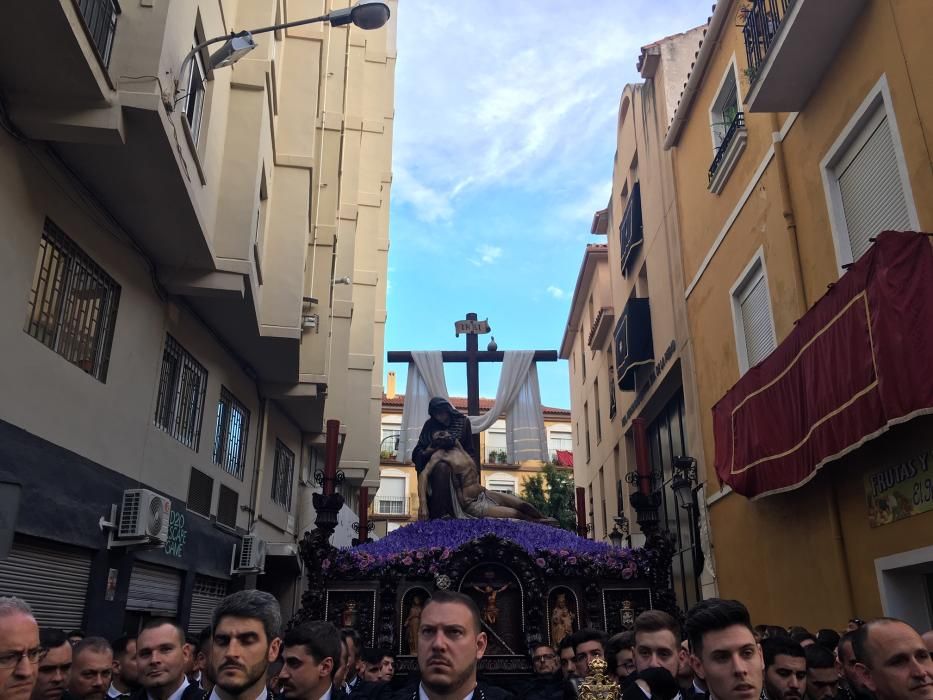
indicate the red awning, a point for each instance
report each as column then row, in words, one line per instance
column 858, row 362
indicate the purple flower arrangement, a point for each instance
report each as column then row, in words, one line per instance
column 423, row 549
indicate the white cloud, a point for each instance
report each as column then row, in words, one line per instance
column 488, row 254
column 556, row 292
column 594, row 198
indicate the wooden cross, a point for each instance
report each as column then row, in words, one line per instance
column 472, row 327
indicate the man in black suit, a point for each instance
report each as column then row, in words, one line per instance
column 450, row 644
column 162, row 657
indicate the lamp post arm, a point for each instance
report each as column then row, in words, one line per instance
column 262, row 30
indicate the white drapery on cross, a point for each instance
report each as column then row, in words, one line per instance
column 518, row 397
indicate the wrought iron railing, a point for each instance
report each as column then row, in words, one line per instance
column 762, row 19
column 737, row 123
column 100, row 18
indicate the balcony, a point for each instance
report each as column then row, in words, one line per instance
column 727, row 154
column 790, row 45
column 631, row 230
column 601, row 325
column 634, row 345
column 391, row 506
column 100, row 20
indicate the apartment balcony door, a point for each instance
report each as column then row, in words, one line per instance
column 667, row 440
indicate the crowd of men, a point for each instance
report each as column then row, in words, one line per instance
column 244, row 655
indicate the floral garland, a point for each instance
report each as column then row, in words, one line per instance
column 423, row 549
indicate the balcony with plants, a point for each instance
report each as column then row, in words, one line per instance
column 789, row 46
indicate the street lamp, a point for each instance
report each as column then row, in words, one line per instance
column 684, row 476
column 616, row 537
column 365, row 14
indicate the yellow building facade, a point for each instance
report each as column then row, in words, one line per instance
column 800, row 134
column 633, row 391
column 194, row 276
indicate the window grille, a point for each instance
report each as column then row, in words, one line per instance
column 180, row 403
column 282, row 474
column 231, row 434
column 227, row 506
column 73, row 304
column 200, row 492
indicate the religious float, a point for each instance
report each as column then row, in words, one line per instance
column 532, row 582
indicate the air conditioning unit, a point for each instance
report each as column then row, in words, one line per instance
column 252, row 555
column 144, row 514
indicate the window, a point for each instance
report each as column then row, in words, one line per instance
column 502, row 483
column 73, row 304
column 725, row 108
column 751, row 308
column 560, row 439
column 194, row 97
column 259, row 233
column 180, row 402
column 582, row 356
column 391, row 498
column 231, row 434
column 727, row 128
column 599, row 420
column 227, row 506
column 602, row 495
column 586, row 428
column 496, row 446
column 390, row 436
column 200, row 492
column 282, row 474
column 865, row 178
column 612, row 389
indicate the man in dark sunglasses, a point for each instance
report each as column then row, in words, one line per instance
column 19, row 649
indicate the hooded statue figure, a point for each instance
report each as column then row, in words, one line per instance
column 443, row 416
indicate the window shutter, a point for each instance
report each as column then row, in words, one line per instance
column 392, row 487
column 756, row 321
column 873, row 196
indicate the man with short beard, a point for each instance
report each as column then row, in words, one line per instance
column 822, row 677
column 246, row 640
column 54, row 665
column 162, row 656
column 450, row 643
column 785, row 669
column 125, row 678
column 311, row 654
column 91, row 669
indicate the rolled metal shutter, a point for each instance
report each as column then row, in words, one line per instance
column 208, row 592
column 52, row 579
column 873, row 196
column 154, row 589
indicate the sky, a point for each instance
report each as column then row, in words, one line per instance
column 505, row 118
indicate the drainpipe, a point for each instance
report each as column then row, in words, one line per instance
column 839, row 545
column 257, row 462
column 790, row 222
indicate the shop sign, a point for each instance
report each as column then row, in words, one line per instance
column 177, row 534
column 901, row 490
